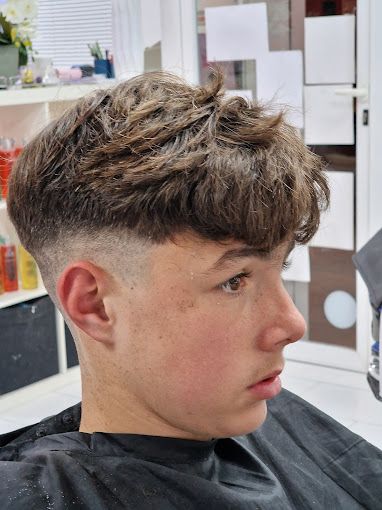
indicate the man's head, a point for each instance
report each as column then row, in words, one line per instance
column 160, row 215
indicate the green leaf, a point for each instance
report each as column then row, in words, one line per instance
column 6, row 26
column 4, row 40
column 95, row 50
column 23, row 56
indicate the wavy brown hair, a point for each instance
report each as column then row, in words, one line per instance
column 155, row 156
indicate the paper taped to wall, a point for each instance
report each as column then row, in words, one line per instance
column 238, row 32
column 337, row 224
column 330, row 49
column 279, row 78
column 328, row 116
column 151, row 22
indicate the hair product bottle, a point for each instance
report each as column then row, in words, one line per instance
column 9, row 264
column 28, row 269
column 6, row 162
column 9, row 152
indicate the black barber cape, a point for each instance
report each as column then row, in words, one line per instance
column 298, row 459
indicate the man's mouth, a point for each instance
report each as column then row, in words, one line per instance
column 268, row 387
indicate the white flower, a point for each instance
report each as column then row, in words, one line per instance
column 26, row 30
column 30, row 9
column 16, row 11
column 11, row 12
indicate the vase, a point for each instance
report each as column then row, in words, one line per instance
column 104, row 66
column 9, row 60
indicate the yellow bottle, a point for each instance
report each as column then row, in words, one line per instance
column 28, row 270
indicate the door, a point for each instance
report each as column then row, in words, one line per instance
column 335, row 123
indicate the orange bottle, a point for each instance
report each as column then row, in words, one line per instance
column 7, row 155
column 9, row 266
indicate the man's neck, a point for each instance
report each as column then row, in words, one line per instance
column 120, row 414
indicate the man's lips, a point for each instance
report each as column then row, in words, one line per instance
column 268, row 387
column 275, row 373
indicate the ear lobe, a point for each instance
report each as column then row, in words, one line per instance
column 81, row 290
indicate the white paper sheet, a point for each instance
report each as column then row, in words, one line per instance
column 299, row 269
column 330, row 49
column 238, row 32
column 337, row 224
column 279, row 78
column 247, row 94
column 328, row 116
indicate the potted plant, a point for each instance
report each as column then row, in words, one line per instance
column 102, row 64
column 17, row 27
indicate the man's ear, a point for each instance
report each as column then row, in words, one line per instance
column 82, row 289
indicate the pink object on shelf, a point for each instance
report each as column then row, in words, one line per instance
column 69, row 73
column 64, row 73
column 75, row 73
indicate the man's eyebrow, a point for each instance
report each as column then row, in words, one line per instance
column 237, row 253
column 244, row 252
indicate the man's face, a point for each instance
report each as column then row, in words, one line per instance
column 202, row 325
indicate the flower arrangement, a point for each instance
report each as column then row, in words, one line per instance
column 18, row 25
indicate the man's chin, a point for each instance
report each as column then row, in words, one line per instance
column 244, row 423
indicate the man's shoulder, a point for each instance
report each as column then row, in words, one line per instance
column 67, row 420
column 28, row 455
column 31, row 455
column 47, row 443
column 29, row 468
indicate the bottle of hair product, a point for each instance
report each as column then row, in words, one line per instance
column 6, row 161
column 28, row 269
column 9, row 263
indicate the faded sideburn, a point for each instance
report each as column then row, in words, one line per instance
column 155, row 156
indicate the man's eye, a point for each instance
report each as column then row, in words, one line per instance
column 233, row 285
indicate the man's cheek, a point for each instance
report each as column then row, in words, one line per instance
column 197, row 382
column 203, row 353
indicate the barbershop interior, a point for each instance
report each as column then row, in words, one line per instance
column 318, row 60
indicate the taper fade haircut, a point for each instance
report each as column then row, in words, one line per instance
column 153, row 157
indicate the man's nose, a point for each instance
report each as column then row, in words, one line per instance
column 285, row 324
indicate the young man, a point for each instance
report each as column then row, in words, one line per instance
column 161, row 215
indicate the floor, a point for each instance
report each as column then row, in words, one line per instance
column 343, row 395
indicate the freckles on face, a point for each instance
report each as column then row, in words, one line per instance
column 203, row 347
column 197, row 334
column 193, row 337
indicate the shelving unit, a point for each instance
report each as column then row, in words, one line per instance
column 19, row 296
column 23, row 113
column 40, row 95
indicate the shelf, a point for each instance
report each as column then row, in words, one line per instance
column 19, row 296
column 50, row 94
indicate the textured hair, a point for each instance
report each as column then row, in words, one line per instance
column 154, row 156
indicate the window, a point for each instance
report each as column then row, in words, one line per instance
column 65, row 27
